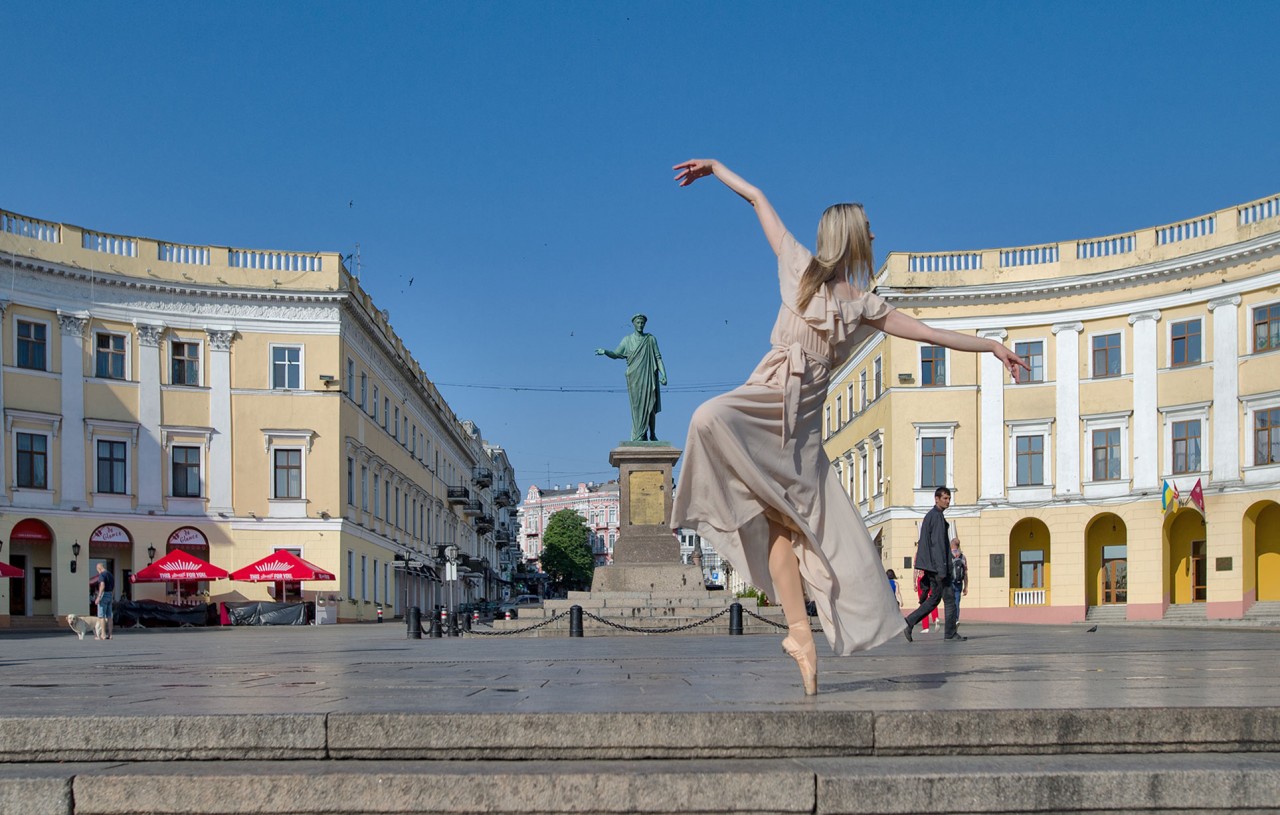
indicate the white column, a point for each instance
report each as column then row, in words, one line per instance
column 72, row 463
column 1226, row 389
column 1146, row 418
column 150, row 446
column 220, row 463
column 991, row 444
column 1067, row 393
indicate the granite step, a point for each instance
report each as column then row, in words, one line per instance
column 1196, row 783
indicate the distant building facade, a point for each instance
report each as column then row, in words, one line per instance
column 598, row 504
column 1155, row 359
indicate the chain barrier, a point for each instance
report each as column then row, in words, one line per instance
column 533, row 627
column 775, row 623
column 643, row 630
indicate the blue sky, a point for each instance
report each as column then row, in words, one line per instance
column 513, row 158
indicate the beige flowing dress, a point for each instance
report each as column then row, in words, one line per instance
column 756, row 452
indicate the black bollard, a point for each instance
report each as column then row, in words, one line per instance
column 413, row 616
column 466, row 623
column 735, row 619
column 435, row 632
column 575, row 621
column 454, row 629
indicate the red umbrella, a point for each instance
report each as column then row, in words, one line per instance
column 281, row 567
column 10, row 571
column 178, row 566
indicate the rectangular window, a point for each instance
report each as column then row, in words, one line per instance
column 1031, row 568
column 396, row 522
column 1106, row 356
column 386, row 500
column 186, row 472
column 109, row 356
column 862, row 478
column 111, row 467
column 1106, row 454
column 351, row 575
column 351, row 481
column 413, row 440
column 879, row 469
column 1186, row 446
column 286, row 367
column 386, row 411
column 1266, row 328
column 376, row 482
column 1186, row 343
column 288, row 473
column 839, row 410
column 933, row 366
column 33, row 345
column 395, row 425
column 364, row 489
column 364, row 577
column 933, row 462
column 364, row 391
column 33, row 461
column 1033, row 353
column 827, row 419
column 1266, row 434
column 862, row 390
column 184, row 364
column 1030, row 454
column 375, row 580
column 878, row 378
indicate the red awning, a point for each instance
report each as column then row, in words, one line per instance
column 10, row 571
column 281, row 567
column 178, row 566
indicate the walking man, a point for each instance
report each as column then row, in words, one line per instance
column 932, row 558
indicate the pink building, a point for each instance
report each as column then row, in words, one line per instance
column 597, row 503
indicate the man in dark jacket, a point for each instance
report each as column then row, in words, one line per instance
column 933, row 557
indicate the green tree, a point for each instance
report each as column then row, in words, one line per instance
column 566, row 555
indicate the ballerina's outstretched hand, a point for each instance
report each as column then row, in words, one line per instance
column 693, row 169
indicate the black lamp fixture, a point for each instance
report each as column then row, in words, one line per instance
column 151, row 553
column 75, row 556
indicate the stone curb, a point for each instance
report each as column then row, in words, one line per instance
column 637, row 736
column 853, row 786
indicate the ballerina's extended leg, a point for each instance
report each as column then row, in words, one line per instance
column 784, row 568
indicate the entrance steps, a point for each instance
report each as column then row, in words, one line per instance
column 806, row 761
column 1186, row 613
column 41, row 622
column 1116, row 613
column 1266, row 611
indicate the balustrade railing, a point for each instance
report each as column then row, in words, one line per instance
column 1194, row 228
column 110, row 244
column 1259, row 210
column 1028, row 256
column 1104, row 247
column 273, row 261
column 181, row 253
column 1030, row 597
column 949, row 262
column 30, row 228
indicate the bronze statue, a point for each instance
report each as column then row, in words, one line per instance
column 645, row 373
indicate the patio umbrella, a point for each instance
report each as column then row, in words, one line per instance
column 178, row 566
column 10, row 571
column 281, row 567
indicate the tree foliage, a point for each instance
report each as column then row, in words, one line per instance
column 566, row 553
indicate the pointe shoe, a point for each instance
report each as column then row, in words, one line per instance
column 806, row 656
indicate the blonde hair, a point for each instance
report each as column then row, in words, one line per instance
column 843, row 250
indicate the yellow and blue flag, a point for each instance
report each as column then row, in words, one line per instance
column 1169, row 497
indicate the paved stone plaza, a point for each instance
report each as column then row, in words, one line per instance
column 362, row 719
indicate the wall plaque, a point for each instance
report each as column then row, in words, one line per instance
column 1223, row 564
column 648, row 501
column 997, row 565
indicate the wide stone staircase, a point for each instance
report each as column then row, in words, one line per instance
column 1182, row 760
column 1265, row 612
column 641, row 613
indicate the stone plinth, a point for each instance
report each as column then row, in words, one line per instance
column 646, row 556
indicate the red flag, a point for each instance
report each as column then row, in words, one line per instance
column 1197, row 496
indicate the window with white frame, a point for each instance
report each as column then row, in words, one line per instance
column 377, row 480
column 350, row 384
column 878, row 378
column 109, row 355
column 286, row 467
column 879, row 448
column 934, row 454
column 351, row 481
column 364, row 488
column 839, row 410
column 286, row 367
column 364, row 391
column 933, row 366
column 32, row 351
column 1032, row 351
column 862, row 389
column 1106, row 443
column 862, row 473
column 1186, row 445
column 1106, row 355
column 351, row 575
column 1029, row 452
column 1266, row 436
column 1266, row 327
column 113, row 467
column 32, row 460
column 386, row 409
column 185, row 472
column 395, row 423
column 184, row 362
column 1184, row 343
column 827, row 419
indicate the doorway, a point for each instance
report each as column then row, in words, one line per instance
column 1199, row 571
column 1115, row 575
column 18, row 588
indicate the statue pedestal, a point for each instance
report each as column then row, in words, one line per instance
column 646, row 556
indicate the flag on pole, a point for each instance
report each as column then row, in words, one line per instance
column 1169, row 497
column 1197, row 496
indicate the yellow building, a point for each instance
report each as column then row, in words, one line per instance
column 1155, row 358
column 231, row 402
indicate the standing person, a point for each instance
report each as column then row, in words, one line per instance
column 893, row 586
column 959, row 575
column 755, row 476
column 645, row 373
column 934, row 560
column 106, row 591
column 922, row 594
